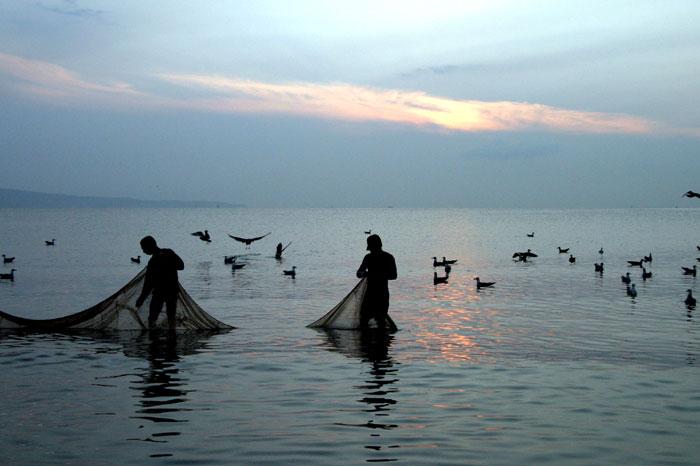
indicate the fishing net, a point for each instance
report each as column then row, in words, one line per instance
column 346, row 314
column 119, row 312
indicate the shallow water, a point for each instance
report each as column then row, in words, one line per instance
column 553, row 365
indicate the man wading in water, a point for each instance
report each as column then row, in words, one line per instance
column 161, row 281
column 379, row 267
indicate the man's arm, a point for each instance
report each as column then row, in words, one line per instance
column 391, row 269
column 146, row 290
column 362, row 271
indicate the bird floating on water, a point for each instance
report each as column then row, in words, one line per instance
column 292, row 273
column 531, row 235
column 248, row 241
column 690, row 299
column 437, row 280
column 598, row 267
column 50, row 243
column 436, row 263
column 8, row 276
column 631, row 291
column 645, row 274
column 647, row 258
column 136, row 260
column 230, row 259
column 600, row 251
column 572, row 259
column 690, row 270
column 480, row 284
column 562, row 250
column 368, row 232
column 7, row 260
column 626, row 278
column 635, row 263
column 235, row 267
column 691, row 194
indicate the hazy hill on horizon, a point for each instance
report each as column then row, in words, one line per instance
column 20, row 198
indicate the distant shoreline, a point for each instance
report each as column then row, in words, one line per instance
column 15, row 198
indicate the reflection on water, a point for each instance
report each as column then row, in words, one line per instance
column 161, row 388
column 378, row 388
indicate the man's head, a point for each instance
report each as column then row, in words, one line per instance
column 374, row 243
column 149, row 245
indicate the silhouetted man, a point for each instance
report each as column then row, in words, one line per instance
column 379, row 267
column 161, row 281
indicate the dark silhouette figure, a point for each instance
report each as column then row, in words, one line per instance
column 635, row 263
column 522, row 256
column 8, row 276
column 235, row 266
column 437, row 280
column 368, row 232
column 690, row 270
column 136, row 260
column 280, row 250
column 437, row 264
column 692, row 194
column 203, row 236
column 448, row 262
column 562, row 250
column 690, row 300
column 248, row 241
column 648, row 258
column 600, row 251
column 292, row 273
column 7, row 260
column 480, row 284
column 379, row 267
column 531, row 235
column 632, row 291
column 229, row 259
column 448, row 269
column 645, row 274
column 598, row 267
column 572, row 259
column 161, row 281
column 626, row 278
column 51, row 243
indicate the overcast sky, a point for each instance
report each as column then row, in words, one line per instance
column 357, row 103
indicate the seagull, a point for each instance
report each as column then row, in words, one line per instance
column 690, row 271
column 631, row 291
column 647, row 258
column 136, row 260
column 437, row 264
column 480, row 284
column 598, row 267
column 645, row 274
column 203, row 236
column 8, row 276
column 531, row 235
column 437, row 280
column 235, row 267
column 448, row 269
column 562, row 250
column 50, row 243
column 7, row 260
column 626, row 278
column 368, row 232
column 292, row 273
column 229, row 259
column 691, row 194
column 572, row 259
column 635, row 263
column 450, row 262
column 600, row 251
column 690, row 300
column 248, row 241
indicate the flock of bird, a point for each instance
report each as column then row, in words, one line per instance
column 631, row 289
column 233, row 260
column 10, row 260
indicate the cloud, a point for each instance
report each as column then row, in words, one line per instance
column 336, row 101
column 350, row 102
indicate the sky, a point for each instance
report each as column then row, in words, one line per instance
column 507, row 104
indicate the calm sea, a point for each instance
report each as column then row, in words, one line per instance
column 554, row 365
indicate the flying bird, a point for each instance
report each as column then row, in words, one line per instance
column 248, row 241
column 203, row 236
